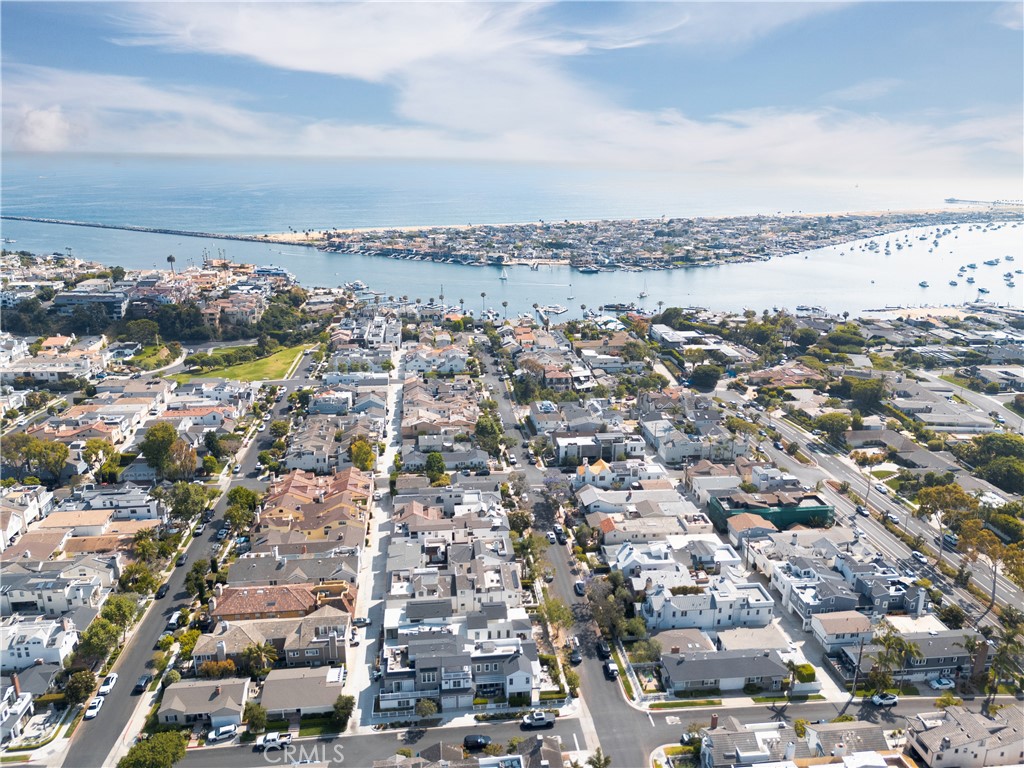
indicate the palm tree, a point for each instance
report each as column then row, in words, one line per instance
column 1009, row 647
column 660, row 305
column 504, row 307
column 599, row 759
column 171, row 260
column 972, row 644
column 259, row 657
column 583, row 308
column 483, row 295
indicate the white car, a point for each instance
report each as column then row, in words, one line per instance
column 108, row 684
column 94, row 708
column 942, row 684
column 885, row 699
column 551, row 537
column 223, row 733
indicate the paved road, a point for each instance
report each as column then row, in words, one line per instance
column 93, row 740
column 361, row 751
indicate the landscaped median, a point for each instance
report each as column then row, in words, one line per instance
column 687, row 703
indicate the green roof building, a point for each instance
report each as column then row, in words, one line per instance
column 783, row 509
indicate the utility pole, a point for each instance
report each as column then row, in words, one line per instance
column 856, row 673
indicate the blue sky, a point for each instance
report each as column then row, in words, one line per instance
column 807, row 90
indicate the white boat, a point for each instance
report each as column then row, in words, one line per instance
column 554, row 309
column 570, row 297
column 504, row 274
column 923, row 283
column 953, row 282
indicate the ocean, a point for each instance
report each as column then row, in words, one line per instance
column 239, row 196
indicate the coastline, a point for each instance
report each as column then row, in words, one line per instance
column 316, row 237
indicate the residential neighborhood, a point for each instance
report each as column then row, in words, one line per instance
column 339, row 517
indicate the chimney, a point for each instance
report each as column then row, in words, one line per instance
column 275, row 553
column 840, row 750
column 16, row 683
column 675, row 649
column 790, row 751
column 218, row 691
column 714, row 721
column 222, row 651
column 304, row 550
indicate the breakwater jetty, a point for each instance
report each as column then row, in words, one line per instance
column 149, row 230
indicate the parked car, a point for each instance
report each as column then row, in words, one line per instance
column 539, row 720
column 575, row 656
column 939, row 684
column 611, row 670
column 475, row 741
column 223, row 733
column 142, row 683
column 579, row 588
column 108, row 684
column 361, row 621
column 603, row 650
column 885, row 699
column 919, row 557
column 162, row 591
column 199, row 529
column 272, row 740
column 182, row 559
column 94, row 708
column 551, row 537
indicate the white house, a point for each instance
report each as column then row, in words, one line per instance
column 835, row 630
column 24, row 640
column 721, row 605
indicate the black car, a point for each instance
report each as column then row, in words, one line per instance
column 142, row 684
column 575, row 657
column 604, row 651
column 182, row 559
column 560, row 537
column 162, row 591
column 476, row 741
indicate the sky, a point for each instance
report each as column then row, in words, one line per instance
column 855, row 91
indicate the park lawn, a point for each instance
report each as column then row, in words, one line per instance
column 882, row 474
column 151, row 357
column 273, row 367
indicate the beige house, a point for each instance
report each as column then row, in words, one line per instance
column 207, row 702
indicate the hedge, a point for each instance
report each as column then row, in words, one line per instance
column 57, row 699
column 805, row 673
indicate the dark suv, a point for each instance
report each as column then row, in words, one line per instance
column 142, row 684
column 604, row 651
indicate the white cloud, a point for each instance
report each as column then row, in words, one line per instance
column 866, row 90
column 485, row 82
column 1009, row 15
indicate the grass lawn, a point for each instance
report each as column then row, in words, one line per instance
column 151, row 357
column 273, row 367
column 311, row 727
column 684, row 704
column 882, row 474
column 794, row 699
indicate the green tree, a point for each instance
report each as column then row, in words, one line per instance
column 138, row 577
column 213, row 444
column 181, row 463
column 156, row 446
column 80, row 687
column 195, row 579
column 706, row 376
column 120, row 610
column 187, row 500
column 143, row 332
column 209, row 465
column 171, row 677
column 558, row 614
column 360, row 453
column 519, row 520
column 255, row 717
column 279, row 428
column 945, row 502
column 98, row 639
column 47, row 457
column 217, row 669
column 599, row 759
column 435, row 466
column 948, row 699
column 259, row 658
column 343, row 708
column 160, row 750
column 239, row 518
column 97, row 449
column 187, row 642
column 426, row 708
column 952, row 615
column 647, row 651
column 244, row 497
column 833, row 424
